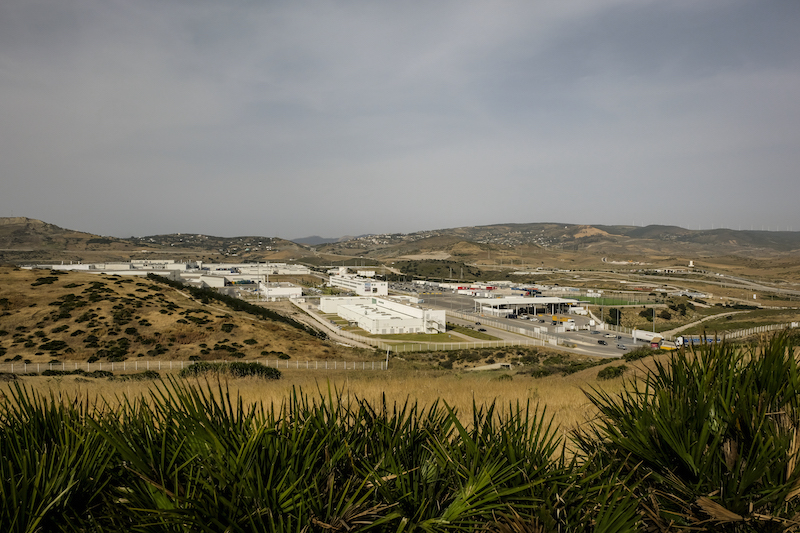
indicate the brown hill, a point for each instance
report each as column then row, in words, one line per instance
column 76, row 316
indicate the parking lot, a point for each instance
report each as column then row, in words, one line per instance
column 585, row 339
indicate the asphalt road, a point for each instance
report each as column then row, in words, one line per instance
column 585, row 342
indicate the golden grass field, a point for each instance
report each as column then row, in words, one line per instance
column 562, row 396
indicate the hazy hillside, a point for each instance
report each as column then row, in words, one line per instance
column 552, row 244
column 25, row 240
column 314, row 240
column 20, row 234
column 525, row 241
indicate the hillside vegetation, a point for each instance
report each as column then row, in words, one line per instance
column 50, row 315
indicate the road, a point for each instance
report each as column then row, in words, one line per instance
column 584, row 342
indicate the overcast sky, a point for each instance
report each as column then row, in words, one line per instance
column 250, row 117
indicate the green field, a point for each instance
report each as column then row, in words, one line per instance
column 469, row 332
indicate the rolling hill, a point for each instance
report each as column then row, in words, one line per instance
column 77, row 316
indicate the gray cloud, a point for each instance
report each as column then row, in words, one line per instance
column 138, row 117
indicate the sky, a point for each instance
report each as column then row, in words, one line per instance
column 332, row 118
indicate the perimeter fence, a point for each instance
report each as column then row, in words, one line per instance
column 170, row 366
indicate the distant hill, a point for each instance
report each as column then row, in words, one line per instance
column 525, row 242
column 559, row 244
column 28, row 239
column 314, row 240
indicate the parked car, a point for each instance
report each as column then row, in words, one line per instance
column 601, row 341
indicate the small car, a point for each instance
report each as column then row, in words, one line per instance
column 601, row 341
column 622, row 347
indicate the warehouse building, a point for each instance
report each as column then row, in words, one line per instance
column 360, row 286
column 382, row 316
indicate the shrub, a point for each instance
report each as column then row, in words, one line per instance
column 140, row 376
column 708, row 438
column 234, row 369
column 611, row 372
column 44, row 281
column 53, row 346
column 638, row 353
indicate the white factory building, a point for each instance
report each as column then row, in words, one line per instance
column 271, row 269
column 513, row 305
column 381, row 316
column 272, row 291
column 250, row 277
column 360, row 286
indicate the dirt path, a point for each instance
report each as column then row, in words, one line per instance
column 690, row 324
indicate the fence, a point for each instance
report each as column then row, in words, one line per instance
column 622, row 329
column 759, row 329
column 541, row 337
column 736, row 334
column 418, row 346
column 136, row 366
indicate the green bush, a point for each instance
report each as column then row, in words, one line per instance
column 709, row 437
column 147, row 375
column 44, row 281
column 639, row 353
column 611, row 372
column 234, row 369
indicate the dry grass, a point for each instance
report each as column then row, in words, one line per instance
column 562, row 396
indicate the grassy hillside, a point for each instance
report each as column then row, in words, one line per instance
column 48, row 315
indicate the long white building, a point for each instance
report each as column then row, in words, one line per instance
column 381, row 316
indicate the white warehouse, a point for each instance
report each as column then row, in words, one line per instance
column 385, row 317
column 360, row 286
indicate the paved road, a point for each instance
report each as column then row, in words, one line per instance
column 584, row 342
